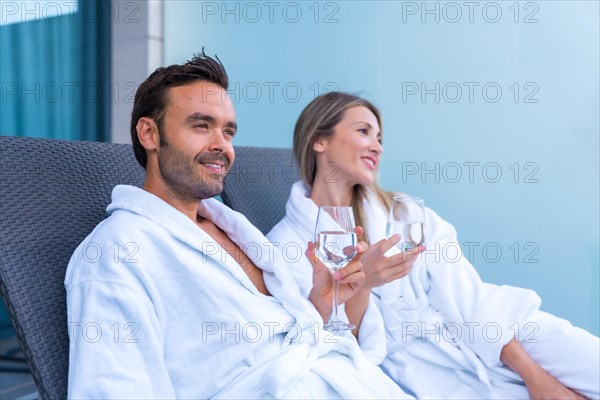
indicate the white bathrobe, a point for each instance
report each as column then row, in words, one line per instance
column 157, row 309
column 449, row 347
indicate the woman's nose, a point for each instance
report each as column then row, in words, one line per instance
column 376, row 147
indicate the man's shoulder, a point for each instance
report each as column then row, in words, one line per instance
column 115, row 245
column 127, row 230
column 123, row 224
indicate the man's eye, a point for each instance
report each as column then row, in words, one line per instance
column 202, row 126
column 230, row 133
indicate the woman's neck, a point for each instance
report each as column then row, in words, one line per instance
column 332, row 194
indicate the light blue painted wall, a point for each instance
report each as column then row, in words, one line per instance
column 281, row 54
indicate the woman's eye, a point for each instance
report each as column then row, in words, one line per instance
column 364, row 131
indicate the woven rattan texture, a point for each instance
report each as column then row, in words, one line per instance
column 259, row 184
column 52, row 194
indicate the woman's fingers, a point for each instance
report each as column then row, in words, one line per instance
column 409, row 256
column 399, row 265
column 314, row 260
column 361, row 248
column 386, row 244
column 406, row 256
column 353, row 272
column 359, row 232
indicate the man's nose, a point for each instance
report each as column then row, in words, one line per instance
column 218, row 141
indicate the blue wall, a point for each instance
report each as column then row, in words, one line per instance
column 491, row 113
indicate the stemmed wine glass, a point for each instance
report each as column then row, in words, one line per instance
column 407, row 217
column 334, row 233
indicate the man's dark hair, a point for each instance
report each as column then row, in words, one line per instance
column 152, row 96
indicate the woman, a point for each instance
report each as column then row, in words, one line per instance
column 466, row 338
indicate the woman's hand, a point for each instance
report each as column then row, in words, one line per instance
column 540, row 384
column 350, row 278
column 380, row 269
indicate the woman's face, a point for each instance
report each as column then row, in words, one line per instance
column 351, row 155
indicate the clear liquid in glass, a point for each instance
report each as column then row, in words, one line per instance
column 412, row 234
column 336, row 248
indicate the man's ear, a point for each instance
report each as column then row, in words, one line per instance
column 147, row 132
column 320, row 144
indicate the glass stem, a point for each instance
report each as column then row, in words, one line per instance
column 334, row 312
column 402, row 286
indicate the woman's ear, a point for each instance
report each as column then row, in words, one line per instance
column 320, row 144
column 147, row 133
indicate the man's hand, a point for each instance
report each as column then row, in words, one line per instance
column 349, row 278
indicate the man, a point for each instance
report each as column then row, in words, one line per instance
column 169, row 305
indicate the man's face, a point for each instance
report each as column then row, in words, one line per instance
column 196, row 150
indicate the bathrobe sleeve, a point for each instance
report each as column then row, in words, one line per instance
column 487, row 314
column 115, row 344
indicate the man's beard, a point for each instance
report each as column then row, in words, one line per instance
column 186, row 179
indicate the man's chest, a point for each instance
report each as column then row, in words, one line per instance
column 252, row 271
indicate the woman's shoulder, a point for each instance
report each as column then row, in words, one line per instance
column 284, row 231
column 300, row 211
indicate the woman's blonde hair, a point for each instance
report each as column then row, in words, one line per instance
column 319, row 119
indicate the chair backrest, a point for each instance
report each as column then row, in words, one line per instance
column 52, row 194
column 259, row 184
